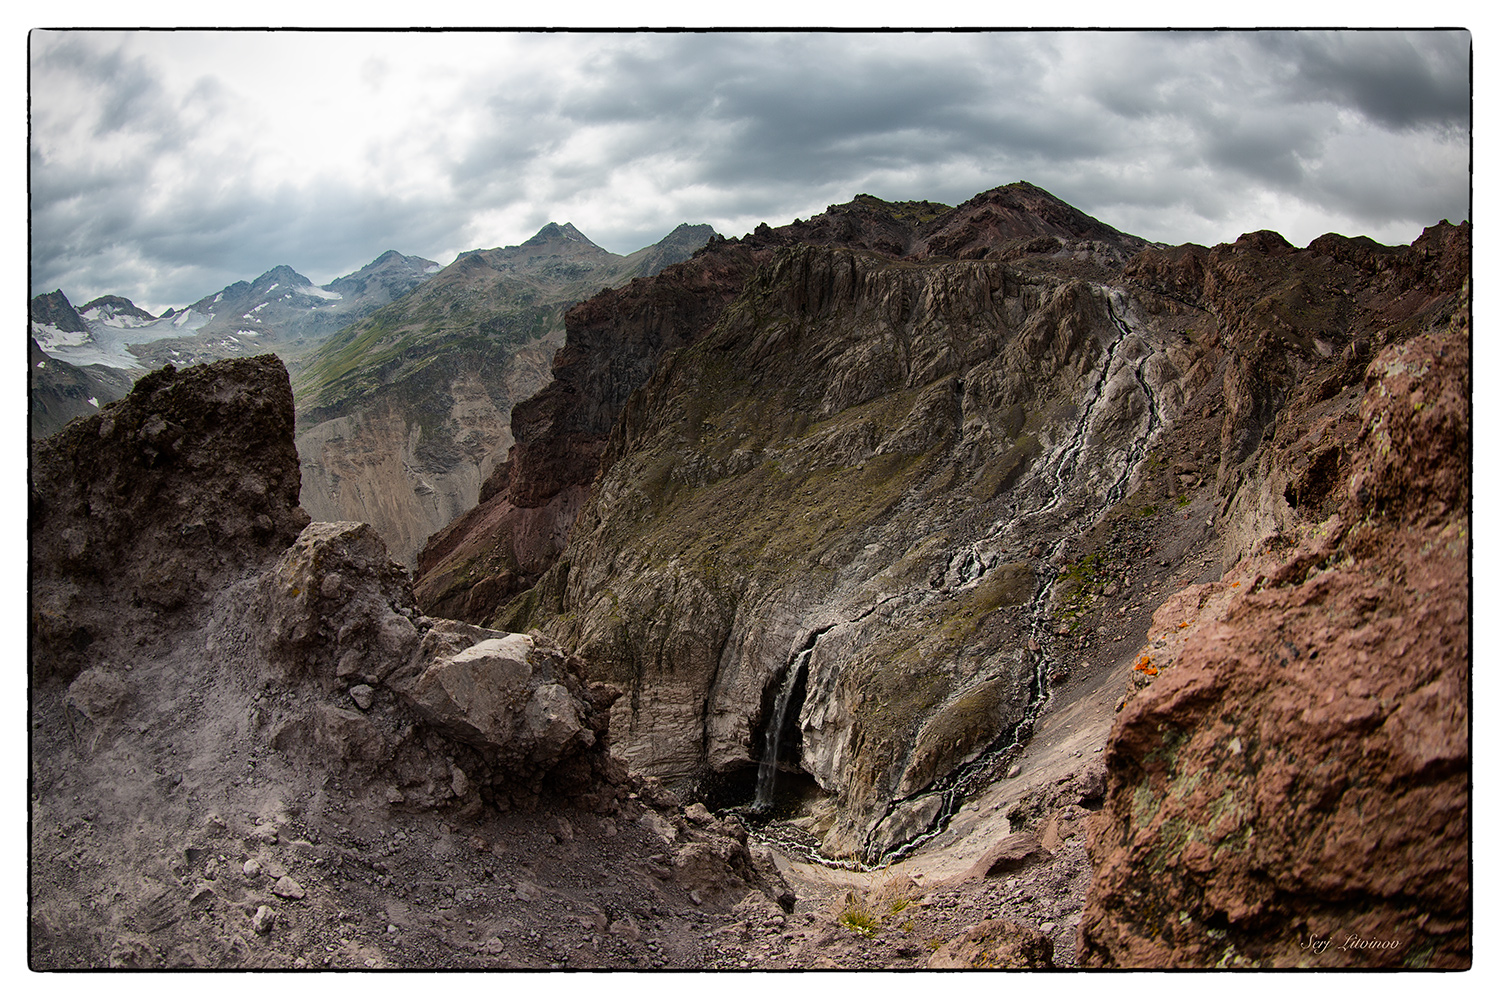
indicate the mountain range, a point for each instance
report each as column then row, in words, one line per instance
column 403, row 399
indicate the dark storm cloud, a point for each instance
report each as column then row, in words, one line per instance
column 1399, row 79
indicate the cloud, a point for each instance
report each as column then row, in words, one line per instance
column 166, row 164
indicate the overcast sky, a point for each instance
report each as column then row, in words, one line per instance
column 165, row 165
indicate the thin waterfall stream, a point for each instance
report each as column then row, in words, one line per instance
column 770, row 760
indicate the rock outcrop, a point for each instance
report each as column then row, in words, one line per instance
column 145, row 510
column 496, row 713
column 1292, row 787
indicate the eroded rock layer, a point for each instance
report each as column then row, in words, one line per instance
column 1292, row 789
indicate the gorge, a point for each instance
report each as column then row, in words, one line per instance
column 906, row 549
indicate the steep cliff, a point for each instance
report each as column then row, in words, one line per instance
column 1292, row 787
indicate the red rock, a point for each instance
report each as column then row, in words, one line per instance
column 1300, row 773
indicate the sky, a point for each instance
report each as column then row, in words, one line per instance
column 164, row 165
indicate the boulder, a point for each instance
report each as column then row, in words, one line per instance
column 336, row 608
column 1012, row 853
column 505, row 694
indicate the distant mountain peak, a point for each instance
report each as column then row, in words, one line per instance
column 54, row 309
column 552, row 232
column 114, row 306
column 284, row 272
column 1019, row 210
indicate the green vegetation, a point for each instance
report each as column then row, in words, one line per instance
column 859, row 920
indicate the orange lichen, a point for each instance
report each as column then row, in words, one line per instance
column 1145, row 667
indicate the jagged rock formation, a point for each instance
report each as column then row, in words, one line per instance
column 402, row 416
column 139, row 513
column 1292, row 789
column 892, row 493
column 615, row 340
column 221, row 723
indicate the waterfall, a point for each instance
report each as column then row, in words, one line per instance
column 765, row 779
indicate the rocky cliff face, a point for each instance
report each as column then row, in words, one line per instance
column 1291, row 789
column 854, row 488
column 874, row 515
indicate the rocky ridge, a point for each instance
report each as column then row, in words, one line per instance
column 502, row 546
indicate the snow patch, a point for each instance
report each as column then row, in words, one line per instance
column 321, row 293
column 48, row 335
column 94, row 402
column 433, row 269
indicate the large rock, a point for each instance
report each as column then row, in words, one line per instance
column 1293, row 789
column 146, row 508
column 994, row 944
column 335, row 606
column 506, row 694
column 336, row 612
